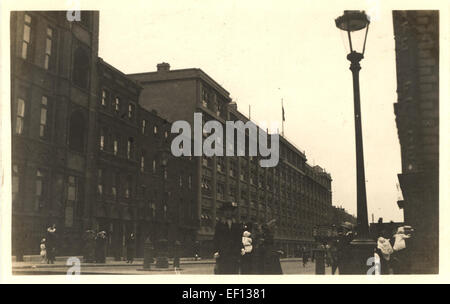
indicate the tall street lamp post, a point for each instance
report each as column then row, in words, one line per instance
column 353, row 23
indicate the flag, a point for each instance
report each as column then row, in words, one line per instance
column 282, row 111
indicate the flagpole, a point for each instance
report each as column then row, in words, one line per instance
column 282, row 118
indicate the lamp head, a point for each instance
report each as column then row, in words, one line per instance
column 353, row 22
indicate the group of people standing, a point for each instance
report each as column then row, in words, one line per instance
column 391, row 251
column 245, row 248
column 391, row 254
column 95, row 247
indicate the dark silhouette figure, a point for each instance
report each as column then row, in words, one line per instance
column 228, row 245
column 131, row 247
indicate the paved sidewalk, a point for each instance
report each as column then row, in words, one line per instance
column 62, row 261
column 290, row 267
column 31, row 262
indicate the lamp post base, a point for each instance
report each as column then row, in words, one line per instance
column 319, row 257
column 162, row 262
column 361, row 256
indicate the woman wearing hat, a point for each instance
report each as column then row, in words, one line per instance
column 271, row 257
column 228, row 245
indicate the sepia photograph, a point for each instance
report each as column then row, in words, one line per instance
column 220, row 138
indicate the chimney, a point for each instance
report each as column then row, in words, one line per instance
column 232, row 105
column 164, row 66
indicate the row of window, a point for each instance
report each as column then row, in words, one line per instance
column 289, row 191
column 117, row 104
column 77, row 122
column 43, row 121
column 77, row 126
column 81, row 62
column 209, row 101
column 41, row 194
column 42, row 190
column 27, row 43
column 113, row 143
column 130, row 114
column 115, row 182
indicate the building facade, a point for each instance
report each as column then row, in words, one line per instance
column 293, row 192
column 417, row 117
column 53, row 98
column 85, row 154
column 339, row 215
column 90, row 151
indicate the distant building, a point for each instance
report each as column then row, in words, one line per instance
column 417, row 117
column 296, row 194
column 339, row 215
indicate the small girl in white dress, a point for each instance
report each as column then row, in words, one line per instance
column 43, row 253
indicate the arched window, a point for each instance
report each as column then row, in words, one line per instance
column 76, row 132
column 81, row 68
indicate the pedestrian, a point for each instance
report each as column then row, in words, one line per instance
column 334, row 257
column 89, row 239
column 176, row 254
column 20, row 241
column 43, row 252
column 51, row 244
column 247, row 258
column 384, row 251
column 131, row 245
column 401, row 255
column 227, row 242
column 327, row 254
column 271, row 256
column 197, row 250
column 100, row 247
column 345, row 236
column 304, row 256
column 257, row 259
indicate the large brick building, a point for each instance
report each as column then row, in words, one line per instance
column 87, row 145
column 53, row 105
column 293, row 192
column 417, row 116
column 135, row 193
column 85, row 154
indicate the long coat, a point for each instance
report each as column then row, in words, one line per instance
column 100, row 249
column 131, row 247
column 228, row 243
column 51, row 245
column 271, row 258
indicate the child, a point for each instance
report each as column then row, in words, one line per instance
column 247, row 242
column 384, row 251
column 402, row 234
column 401, row 259
column 246, row 259
column 43, row 253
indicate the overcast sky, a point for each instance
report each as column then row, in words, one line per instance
column 260, row 53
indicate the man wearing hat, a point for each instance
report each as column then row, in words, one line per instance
column 228, row 245
column 343, row 250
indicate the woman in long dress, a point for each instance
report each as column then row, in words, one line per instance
column 271, row 256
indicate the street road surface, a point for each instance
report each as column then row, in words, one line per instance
column 289, row 267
